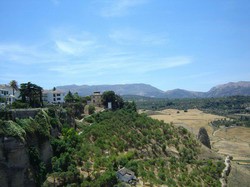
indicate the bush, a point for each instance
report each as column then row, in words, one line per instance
column 91, row 109
column 20, row 104
column 10, row 128
column 89, row 119
column 38, row 165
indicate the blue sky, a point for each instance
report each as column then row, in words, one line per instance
column 169, row 44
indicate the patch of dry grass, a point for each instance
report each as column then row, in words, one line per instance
column 234, row 141
column 192, row 120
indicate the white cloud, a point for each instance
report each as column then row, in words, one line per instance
column 70, row 42
column 130, row 36
column 17, row 52
column 77, row 56
column 21, row 54
column 115, row 8
column 113, row 63
column 74, row 46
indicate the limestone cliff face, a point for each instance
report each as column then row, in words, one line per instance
column 14, row 161
column 15, row 168
column 46, row 152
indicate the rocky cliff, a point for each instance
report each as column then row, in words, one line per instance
column 15, row 166
column 25, row 148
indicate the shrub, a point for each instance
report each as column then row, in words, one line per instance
column 10, row 128
column 91, row 109
column 19, row 104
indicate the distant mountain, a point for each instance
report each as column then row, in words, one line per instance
column 146, row 90
column 121, row 89
column 230, row 89
column 180, row 93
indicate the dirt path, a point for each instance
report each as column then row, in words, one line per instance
column 226, row 171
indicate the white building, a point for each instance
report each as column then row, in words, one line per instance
column 6, row 92
column 126, row 175
column 51, row 96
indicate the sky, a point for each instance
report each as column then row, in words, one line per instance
column 187, row 44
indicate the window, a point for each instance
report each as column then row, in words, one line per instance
column 54, row 95
column 54, row 99
column 58, row 94
column 58, row 98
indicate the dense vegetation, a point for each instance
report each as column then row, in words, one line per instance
column 157, row 152
column 31, row 94
column 116, row 100
column 23, row 129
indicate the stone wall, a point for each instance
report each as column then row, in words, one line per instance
column 24, row 113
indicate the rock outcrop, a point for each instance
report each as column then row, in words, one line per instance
column 15, row 167
column 203, row 137
column 14, row 163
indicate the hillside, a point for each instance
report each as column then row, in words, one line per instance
column 180, row 94
column 229, row 89
column 157, row 153
column 121, row 89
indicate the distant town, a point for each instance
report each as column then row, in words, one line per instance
column 10, row 93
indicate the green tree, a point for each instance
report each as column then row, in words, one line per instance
column 38, row 165
column 116, row 100
column 13, row 84
column 130, row 106
column 69, row 98
column 32, row 94
column 77, row 98
column 72, row 98
column 91, row 109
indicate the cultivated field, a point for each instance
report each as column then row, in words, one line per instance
column 192, row 119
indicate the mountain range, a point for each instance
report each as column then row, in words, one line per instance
column 146, row 90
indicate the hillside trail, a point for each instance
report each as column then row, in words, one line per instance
column 233, row 174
